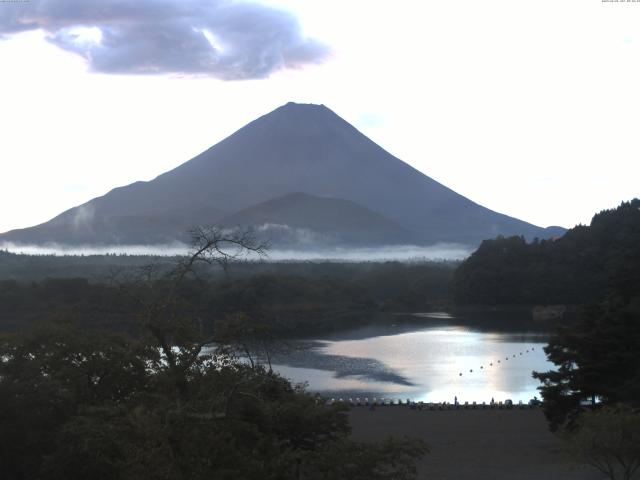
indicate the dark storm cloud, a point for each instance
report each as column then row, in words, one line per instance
column 223, row 38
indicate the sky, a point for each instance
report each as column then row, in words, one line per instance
column 530, row 108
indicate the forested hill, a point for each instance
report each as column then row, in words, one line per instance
column 586, row 265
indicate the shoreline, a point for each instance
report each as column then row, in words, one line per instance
column 433, row 406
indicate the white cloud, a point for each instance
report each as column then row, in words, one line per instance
column 529, row 108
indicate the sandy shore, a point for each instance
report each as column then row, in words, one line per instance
column 475, row 444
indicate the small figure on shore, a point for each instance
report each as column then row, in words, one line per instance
column 455, row 400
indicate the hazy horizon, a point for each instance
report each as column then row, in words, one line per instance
column 517, row 120
column 403, row 253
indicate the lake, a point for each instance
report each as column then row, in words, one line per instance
column 429, row 357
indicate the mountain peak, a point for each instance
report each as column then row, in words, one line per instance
column 300, row 109
column 297, row 147
column 307, row 106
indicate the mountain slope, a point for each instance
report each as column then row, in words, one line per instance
column 295, row 148
column 331, row 220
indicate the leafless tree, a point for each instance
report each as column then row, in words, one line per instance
column 180, row 336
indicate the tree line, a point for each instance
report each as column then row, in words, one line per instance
column 587, row 264
column 291, row 299
column 85, row 403
column 592, row 397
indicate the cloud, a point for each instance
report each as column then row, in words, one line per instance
column 284, row 234
column 83, row 217
column 401, row 253
column 226, row 39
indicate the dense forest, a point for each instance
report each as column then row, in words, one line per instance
column 152, row 399
column 104, row 371
column 292, row 298
column 585, row 265
column 592, row 396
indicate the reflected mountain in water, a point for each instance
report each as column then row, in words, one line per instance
column 342, row 366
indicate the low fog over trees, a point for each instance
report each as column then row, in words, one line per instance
column 79, row 403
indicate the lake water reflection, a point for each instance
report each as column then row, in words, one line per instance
column 432, row 358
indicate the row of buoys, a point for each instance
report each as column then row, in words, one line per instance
column 375, row 402
column 365, row 402
column 506, row 359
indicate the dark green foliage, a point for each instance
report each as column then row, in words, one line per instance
column 47, row 374
column 294, row 298
column 607, row 439
column 100, row 305
column 25, row 268
column 82, row 405
column 581, row 267
column 599, row 357
column 76, row 403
